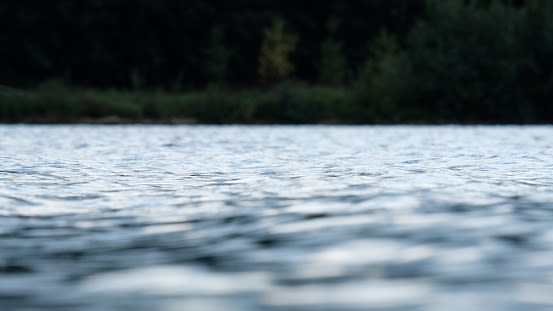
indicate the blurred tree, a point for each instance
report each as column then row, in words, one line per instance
column 536, row 36
column 274, row 62
column 217, row 56
column 384, row 79
column 467, row 58
column 332, row 67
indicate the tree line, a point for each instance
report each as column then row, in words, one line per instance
column 393, row 61
column 179, row 44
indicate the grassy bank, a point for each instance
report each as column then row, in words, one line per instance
column 286, row 104
column 57, row 103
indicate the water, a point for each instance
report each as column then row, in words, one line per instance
column 276, row 218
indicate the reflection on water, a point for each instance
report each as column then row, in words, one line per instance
column 276, row 218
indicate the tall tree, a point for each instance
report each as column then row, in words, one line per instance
column 332, row 67
column 217, row 56
column 274, row 56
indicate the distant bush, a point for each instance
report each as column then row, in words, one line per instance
column 55, row 102
column 16, row 105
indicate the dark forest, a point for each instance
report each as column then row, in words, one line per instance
column 246, row 61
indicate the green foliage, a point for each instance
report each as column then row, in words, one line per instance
column 16, row 105
column 322, row 104
column 54, row 102
column 384, row 79
column 332, row 67
column 536, row 73
column 277, row 45
column 217, row 56
column 468, row 59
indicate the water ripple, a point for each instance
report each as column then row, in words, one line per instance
column 276, row 217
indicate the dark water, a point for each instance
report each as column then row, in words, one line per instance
column 276, row 218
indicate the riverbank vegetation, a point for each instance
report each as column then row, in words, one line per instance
column 399, row 61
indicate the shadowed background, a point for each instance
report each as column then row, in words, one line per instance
column 285, row 62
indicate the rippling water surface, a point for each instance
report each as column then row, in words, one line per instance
column 276, row 218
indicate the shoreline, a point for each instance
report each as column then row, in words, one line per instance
column 113, row 120
column 63, row 104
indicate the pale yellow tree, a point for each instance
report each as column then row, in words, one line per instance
column 277, row 45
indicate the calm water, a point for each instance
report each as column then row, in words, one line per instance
column 276, row 218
